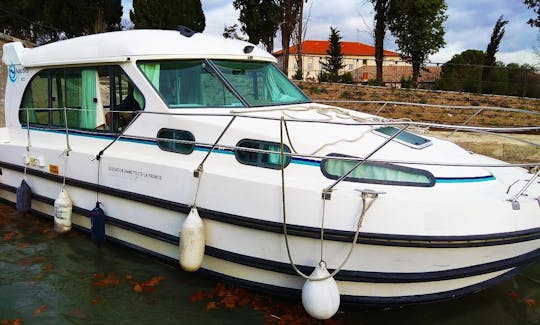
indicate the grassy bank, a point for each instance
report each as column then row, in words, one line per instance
column 344, row 92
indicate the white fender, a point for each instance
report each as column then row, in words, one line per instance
column 62, row 212
column 192, row 242
column 320, row 298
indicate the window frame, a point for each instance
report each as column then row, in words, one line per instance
column 259, row 162
column 165, row 148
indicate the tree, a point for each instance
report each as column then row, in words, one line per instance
column 152, row 14
column 535, row 6
column 462, row 72
column 260, row 20
column 381, row 16
column 232, row 32
column 45, row 21
column 495, row 41
column 334, row 62
column 292, row 17
column 493, row 46
column 417, row 26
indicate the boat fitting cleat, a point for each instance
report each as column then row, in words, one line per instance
column 370, row 193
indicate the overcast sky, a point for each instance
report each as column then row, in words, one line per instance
column 469, row 25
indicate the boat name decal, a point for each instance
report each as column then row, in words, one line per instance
column 134, row 174
column 14, row 71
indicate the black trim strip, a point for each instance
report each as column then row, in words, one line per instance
column 379, row 277
column 371, row 301
column 301, row 231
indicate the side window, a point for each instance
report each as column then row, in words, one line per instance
column 335, row 167
column 259, row 158
column 35, row 101
column 80, row 98
column 178, row 145
column 126, row 100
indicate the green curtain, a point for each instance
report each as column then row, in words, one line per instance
column 151, row 70
column 87, row 119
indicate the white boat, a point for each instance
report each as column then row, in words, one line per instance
column 404, row 217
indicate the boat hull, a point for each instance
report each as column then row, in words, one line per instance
column 385, row 270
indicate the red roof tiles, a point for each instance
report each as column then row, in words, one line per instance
column 347, row 48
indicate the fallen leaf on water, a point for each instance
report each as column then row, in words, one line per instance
column 9, row 236
column 96, row 301
column 230, row 301
column 47, row 267
column 531, row 302
column 110, row 279
column 38, row 259
column 513, row 294
column 153, row 281
column 197, row 297
column 41, row 309
column 211, row 305
column 137, row 288
column 17, row 321
column 23, row 245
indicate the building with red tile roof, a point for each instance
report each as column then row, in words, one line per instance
column 355, row 55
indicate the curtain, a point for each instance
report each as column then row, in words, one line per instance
column 87, row 118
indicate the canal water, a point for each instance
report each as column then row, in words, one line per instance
column 65, row 279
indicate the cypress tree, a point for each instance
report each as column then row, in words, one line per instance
column 334, row 62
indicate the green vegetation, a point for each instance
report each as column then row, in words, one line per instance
column 152, row 14
column 46, row 21
column 418, row 28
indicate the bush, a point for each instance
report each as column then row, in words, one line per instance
column 347, row 78
column 374, row 82
column 346, row 95
column 407, row 83
column 323, row 77
column 299, row 75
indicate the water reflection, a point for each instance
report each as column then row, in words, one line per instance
column 64, row 279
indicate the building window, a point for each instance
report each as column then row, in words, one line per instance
column 350, row 67
column 364, row 62
column 257, row 156
column 310, row 64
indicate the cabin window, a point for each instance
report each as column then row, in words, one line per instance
column 192, row 84
column 258, row 156
column 375, row 172
column 181, row 141
column 80, row 98
column 407, row 138
column 188, row 83
column 261, row 83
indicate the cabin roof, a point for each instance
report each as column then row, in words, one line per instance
column 127, row 45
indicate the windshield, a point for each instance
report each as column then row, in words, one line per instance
column 192, row 83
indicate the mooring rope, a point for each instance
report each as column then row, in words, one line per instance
column 67, row 150
column 27, row 158
column 365, row 208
